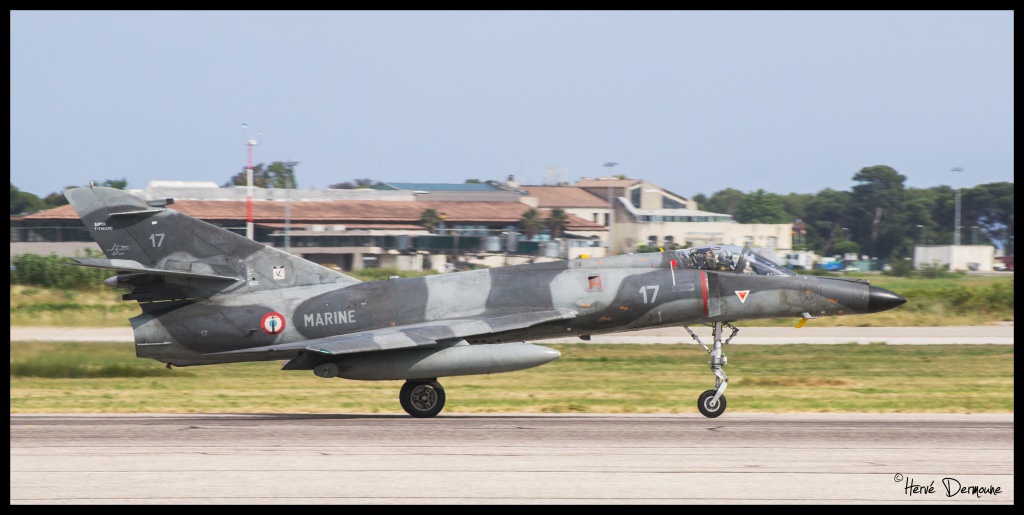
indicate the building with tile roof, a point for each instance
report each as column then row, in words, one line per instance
column 573, row 200
column 350, row 234
column 354, row 228
column 490, row 191
column 641, row 215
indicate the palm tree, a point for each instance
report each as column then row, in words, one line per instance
column 556, row 222
column 430, row 219
column 531, row 223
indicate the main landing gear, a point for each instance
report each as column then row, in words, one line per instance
column 423, row 398
column 711, row 403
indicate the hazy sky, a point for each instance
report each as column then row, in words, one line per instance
column 694, row 101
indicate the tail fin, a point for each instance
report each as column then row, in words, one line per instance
column 157, row 246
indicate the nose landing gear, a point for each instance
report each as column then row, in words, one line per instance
column 708, row 406
column 711, row 403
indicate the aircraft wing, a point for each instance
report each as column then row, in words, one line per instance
column 416, row 335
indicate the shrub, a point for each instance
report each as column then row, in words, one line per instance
column 898, row 268
column 933, row 271
column 55, row 271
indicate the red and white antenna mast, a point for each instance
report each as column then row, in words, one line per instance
column 249, row 142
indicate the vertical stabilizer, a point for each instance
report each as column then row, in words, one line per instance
column 128, row 229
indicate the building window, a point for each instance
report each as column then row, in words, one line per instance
column 772, row 242
column 667, row 203
column 748, row 241
column 634, row 197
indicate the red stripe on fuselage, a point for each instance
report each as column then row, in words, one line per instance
column 704, row 290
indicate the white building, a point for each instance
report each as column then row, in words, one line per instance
column 646, row 214
column 979, row 258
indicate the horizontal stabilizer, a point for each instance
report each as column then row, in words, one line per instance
column 131, row 266
column 137, row 212
column 415, row 335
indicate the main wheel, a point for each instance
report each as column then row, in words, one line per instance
column 710, row 409
column 422, row 399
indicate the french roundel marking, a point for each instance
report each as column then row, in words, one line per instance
column 272, row 323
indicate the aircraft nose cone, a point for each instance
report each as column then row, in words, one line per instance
column 880, row 299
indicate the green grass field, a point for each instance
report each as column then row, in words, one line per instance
column 107, row 377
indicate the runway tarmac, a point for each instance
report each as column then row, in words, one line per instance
column 999, row 334
column 739, row 458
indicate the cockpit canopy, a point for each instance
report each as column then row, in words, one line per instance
column 729, row 258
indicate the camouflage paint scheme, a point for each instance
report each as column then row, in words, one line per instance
column 212, row 296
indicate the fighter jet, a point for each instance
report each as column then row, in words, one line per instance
column 211, row 296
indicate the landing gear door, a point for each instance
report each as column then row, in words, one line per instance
column 712, row 296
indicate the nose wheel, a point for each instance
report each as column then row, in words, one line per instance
column 708, row 406
column 711, row 403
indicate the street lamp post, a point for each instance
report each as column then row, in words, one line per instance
column 956, row 222
column 846, row 232
column 919, row 226
column 611, row 209
column 609, row 165
column 974, row 235
column 249, row 142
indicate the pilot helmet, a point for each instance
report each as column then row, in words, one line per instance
column 725, row 258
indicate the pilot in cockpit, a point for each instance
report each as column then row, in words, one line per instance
column 708, row 259
column 697, row 258
column 725, row 262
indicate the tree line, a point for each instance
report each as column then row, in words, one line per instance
column 879, row 217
